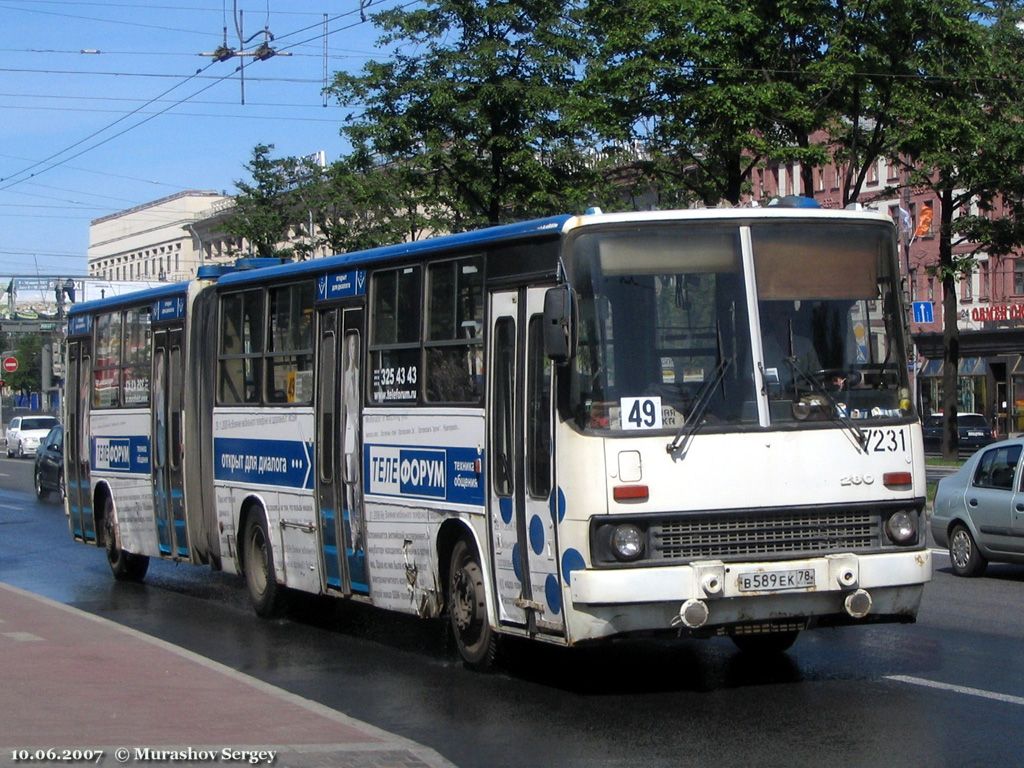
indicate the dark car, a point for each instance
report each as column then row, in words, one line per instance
column 49, row 472
column 977, row 509
column 974, row 430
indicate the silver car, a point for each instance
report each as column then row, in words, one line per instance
column 979, row 510
column 25, row 432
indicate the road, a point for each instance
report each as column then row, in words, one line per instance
column 947, row 691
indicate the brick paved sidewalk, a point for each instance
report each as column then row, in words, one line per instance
column 71, row 680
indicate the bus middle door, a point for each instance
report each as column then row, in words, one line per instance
column 167, row 392
column 523, row 534
column 339, row 448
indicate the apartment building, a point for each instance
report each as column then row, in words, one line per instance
column 164, row 240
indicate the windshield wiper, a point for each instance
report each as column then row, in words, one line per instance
column 696, row 415
column 859, row 437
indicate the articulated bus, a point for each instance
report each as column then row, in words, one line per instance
column 695, row 423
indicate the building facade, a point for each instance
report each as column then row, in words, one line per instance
column 990, row 300
column 158, row 241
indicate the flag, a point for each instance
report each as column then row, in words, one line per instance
column 924, row 224
column 906, row 226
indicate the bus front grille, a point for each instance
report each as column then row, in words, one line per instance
column 755, row 534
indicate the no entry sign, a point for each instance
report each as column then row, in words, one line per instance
column 10, row 364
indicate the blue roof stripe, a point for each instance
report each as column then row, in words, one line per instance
column 136, row 298
column 464, row 240
column 551, row 226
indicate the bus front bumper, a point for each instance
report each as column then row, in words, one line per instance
column 709, row 597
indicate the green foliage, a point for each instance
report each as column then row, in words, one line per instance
column 471, row 109
column 28, row 350
column 276, row 202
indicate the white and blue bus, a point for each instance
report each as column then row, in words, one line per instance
column 693, row 422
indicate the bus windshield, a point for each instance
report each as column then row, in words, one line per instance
column 666, row 326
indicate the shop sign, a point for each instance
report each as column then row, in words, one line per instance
column 998, row 313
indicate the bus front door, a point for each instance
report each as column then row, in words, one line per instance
column 167, row 392
column 522, row 524
column 76, row 440
column 338, row 440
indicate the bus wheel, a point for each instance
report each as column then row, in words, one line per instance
column 467, row 609
column 767, row 644
column 266, row 594
column 124, row 565
column 963, row 553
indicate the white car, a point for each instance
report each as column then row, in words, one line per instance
column 25, row 432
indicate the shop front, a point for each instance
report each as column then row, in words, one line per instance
column 990, row 376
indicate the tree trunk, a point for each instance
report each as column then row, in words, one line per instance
column 950, row 329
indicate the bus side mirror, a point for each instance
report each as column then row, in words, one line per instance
column 559, row 335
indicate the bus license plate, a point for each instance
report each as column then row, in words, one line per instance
column 775, row 581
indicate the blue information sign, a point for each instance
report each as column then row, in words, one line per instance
column 924, row 312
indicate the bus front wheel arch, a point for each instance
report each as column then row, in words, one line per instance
column 466, row 601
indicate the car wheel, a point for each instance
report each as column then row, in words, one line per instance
column 964, row 554
column 18, row 451
column 41, row 492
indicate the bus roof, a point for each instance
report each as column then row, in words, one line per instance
column 551, row 226
column 147, row 296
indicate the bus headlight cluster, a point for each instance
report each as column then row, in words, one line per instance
column 627, row 542
column 902, row 527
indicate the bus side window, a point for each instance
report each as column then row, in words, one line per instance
column 504, row 399
column 241, row 347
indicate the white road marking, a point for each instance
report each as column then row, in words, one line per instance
column 21, row 637
column 962, row 689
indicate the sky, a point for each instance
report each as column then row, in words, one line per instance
column 102, row 109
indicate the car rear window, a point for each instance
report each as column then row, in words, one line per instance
column 972, row 420
column 40, row 423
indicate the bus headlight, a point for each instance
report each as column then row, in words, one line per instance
column 627, row 542
column 902, row 527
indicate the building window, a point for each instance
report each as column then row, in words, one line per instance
column 983, row 279
column 1018, row 277
column 966, row 288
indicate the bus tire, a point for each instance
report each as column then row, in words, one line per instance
column 769, row 644
column 266, row 594
column 124, row 565
column 467, row 609
column 963, row 553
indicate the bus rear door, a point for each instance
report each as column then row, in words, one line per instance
column 76, row 439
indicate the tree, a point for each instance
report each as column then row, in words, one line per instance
column 364, row 204
column 962, row 137
column 267, row 209
column 28, row 349
column 469, row 120
column 709, row 89
column 871, row 62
